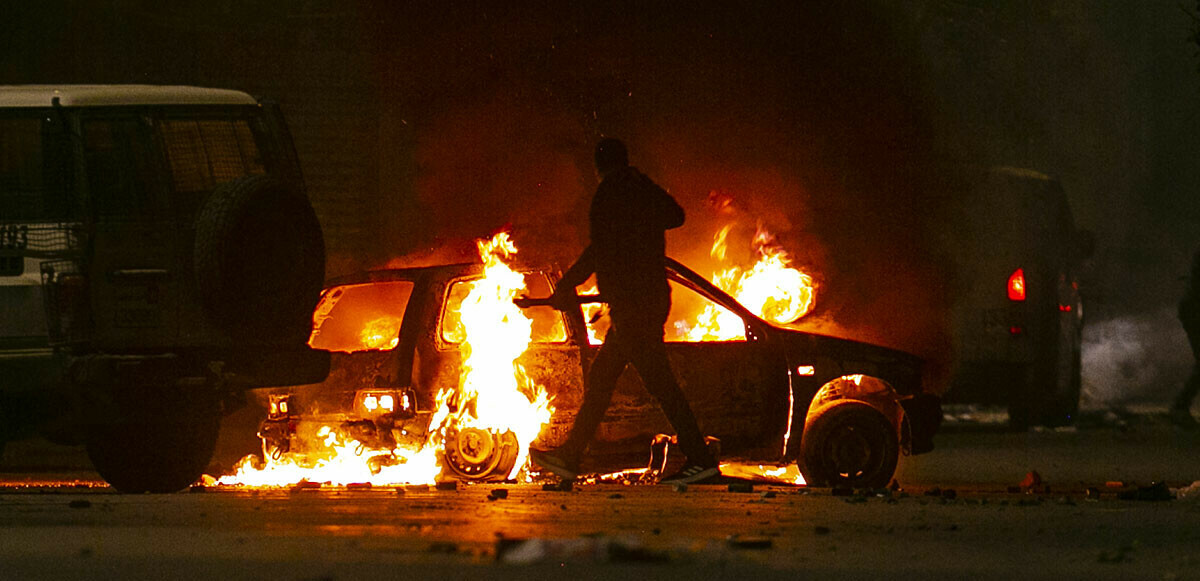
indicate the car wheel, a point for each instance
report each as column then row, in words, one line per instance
column 850, row 444
column 259, row 259
column 154, row 455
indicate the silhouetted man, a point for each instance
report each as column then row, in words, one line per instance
column 628, row 219
column 1189, row 315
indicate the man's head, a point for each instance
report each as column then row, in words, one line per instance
column 610, row 155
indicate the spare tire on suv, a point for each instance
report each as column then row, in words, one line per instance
column 259, row 259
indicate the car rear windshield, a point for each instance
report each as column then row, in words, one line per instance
column 34, row 166
column 360, row 317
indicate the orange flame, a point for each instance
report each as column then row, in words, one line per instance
column 771, row 288
column 494, row 393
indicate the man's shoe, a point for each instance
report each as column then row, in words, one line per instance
column 692, row 474
column 555, row 463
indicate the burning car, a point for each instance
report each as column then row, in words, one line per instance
column 429, row 383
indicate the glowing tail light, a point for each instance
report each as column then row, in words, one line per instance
column 1016, row 285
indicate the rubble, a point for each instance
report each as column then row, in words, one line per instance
column 498, row 494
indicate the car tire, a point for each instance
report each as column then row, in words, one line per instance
column 153, row 455
column 259, row 259
column 850, row 444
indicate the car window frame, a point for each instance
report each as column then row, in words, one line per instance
column 443, row 345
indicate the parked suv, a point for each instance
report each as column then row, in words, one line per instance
column 158, row 256
column 1017, row 311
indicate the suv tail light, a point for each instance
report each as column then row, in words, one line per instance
column 1016, row 285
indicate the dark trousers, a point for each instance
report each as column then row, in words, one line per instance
column 1192, row 386
column 636, row 338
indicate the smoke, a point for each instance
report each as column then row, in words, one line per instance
column 1134, row 359
column 807, row 120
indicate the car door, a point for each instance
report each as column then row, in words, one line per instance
column 737, row 386
column 134, row 281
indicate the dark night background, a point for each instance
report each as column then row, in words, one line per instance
column 422, row 126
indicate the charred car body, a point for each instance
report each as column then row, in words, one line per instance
column 844, row 410
column 159, row 256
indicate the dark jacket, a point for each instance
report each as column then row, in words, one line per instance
column 628, row 220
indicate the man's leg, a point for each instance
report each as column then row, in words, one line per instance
column 649, row 356
column 602, row 378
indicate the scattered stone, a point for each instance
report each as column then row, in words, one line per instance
column 562, row 506
column 560, row 486
column 679, row 487
column 80, row 504
column 1092, row 493
column 498, row 493
column 820, row 530
column 767, row 494
column 450, row 485
column 741, row 487
column 748, row 542
column 616, row 495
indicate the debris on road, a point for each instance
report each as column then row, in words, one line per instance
column 450, row 485
column 560, row 486
column 1032, row 482
column 498, row 494
column 741, row 487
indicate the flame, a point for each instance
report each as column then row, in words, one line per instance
column 494, row 394
column 381, row 333
column 771, row 288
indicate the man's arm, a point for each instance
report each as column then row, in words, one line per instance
column 579, row 272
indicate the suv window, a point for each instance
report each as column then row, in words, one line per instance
column 360, row 317
column 203, row 153
column 117, row 157
column 34, row 165
column 548, row 324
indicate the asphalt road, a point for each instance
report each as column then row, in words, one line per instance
column 957, row 515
